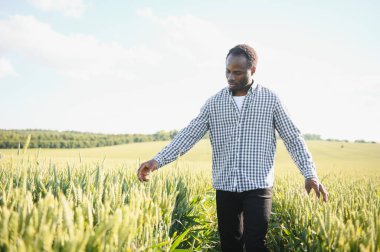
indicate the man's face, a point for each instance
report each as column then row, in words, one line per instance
column 238, row 75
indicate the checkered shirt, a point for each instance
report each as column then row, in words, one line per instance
column 243, row 142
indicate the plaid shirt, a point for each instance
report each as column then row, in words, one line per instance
column 243, row 142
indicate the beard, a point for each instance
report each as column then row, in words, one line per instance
column 241, row 85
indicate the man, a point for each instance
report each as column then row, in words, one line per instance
column 242, row 119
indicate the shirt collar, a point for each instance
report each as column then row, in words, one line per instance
column 253, row 87
column 250, row 90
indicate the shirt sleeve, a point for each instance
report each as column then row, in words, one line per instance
column 294, row 142
column 186, row 138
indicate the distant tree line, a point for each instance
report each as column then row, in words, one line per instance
column 312, row 137
column 10, row 139
column 72, row 139
column 364, row 141
column 318, row 137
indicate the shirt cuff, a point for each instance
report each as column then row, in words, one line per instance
column 310, row 173
column 159, row 161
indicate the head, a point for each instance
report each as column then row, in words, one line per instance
column 241, row 64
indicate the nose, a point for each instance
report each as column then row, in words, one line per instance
column 230, row 77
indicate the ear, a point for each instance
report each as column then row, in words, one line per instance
column 253, row 70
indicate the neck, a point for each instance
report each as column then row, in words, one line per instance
column 243, row 91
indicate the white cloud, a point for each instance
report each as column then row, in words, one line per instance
column 75, row 56
column 73, row 8
column 146, row 12
column 131, row 89
column 6, row 68
column 188, row 45
column 115, row 88
column 194, row 50
column 190, row 37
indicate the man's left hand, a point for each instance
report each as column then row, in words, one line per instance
column 317, row 186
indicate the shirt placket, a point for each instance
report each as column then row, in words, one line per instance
column 237, row 148
column 237, row 156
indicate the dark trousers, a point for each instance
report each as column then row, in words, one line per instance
column 243, row 219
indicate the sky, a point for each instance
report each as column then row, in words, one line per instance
column 144, row 66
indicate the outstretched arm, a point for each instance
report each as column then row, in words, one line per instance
column 181, row 143
column 297, row 148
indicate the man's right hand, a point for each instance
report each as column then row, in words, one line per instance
column 145, row 169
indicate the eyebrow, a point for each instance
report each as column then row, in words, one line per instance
column 236, row 70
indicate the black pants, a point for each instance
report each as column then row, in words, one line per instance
column 243, row 219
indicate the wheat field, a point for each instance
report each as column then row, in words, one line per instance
column 91, row 200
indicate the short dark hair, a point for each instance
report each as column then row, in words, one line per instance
column 247, row 51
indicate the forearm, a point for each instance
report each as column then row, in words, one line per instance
column 185, row 139
column 301, row 156
column 294, row 141
column 179, row 146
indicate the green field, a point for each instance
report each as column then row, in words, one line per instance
column 91, row 200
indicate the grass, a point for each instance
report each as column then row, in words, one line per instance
column 90, row 199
